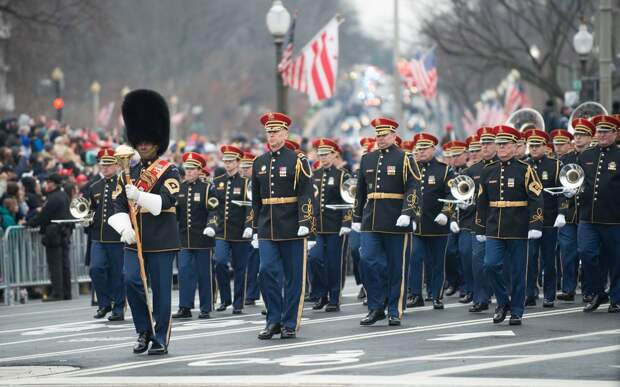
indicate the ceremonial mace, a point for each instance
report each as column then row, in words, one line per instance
column 123, row 155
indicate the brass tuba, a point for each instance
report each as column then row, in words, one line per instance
column 348, row 191
column 585, row 110
column 571, row 177
column 462, row 188
column 526, row 118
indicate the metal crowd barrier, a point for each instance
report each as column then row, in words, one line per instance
column 23, row 261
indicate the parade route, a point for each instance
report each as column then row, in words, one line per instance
column 60, row 344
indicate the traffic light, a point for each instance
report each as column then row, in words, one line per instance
column 58, row 104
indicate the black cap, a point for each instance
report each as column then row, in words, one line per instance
column 54, row 178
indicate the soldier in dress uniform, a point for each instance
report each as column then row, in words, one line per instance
column 196, row 202
column 431, row 236
column 510, row 203
column 455, row 155
column 481, row 286
column 106, row 249
column 282, row 196
column 153, row 193
column 521, row 148
column 332, row 227
column 385, row 203
column 599, row 215
column 473, row 150
column 252, row 288
column 541, row 252
column 232, row 225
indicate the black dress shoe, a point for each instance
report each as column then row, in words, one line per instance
column 249, row 302
column 332, row 308
column 595, row 303
column 514, row 320
column 269, row 331
column 566, row 297
column 428, row 298
column 476, row 308
column 223, row 307
column 394, row 321
column 530, row 301
column 586, row 298
column 116, row 317
column 362, row 293
column 204, row 315
column 500, row 314
column 142, row 344
column 158, row 349
column 450, row 290
column 321, row 302
column 466, row 299
column 183, row 313
column 263, row 312
column 415, row 302
column 547, row 303
column 101, row 313
column 437, row 304
column 237, row 311
column 614, row 308
column 288, row 333
column 372, row 317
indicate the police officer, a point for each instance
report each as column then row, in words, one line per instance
column 252, row 288
column 599, row 215
column 332, row 226
column 510, row 202
column 196, row 201
column 56, row 237
column 481, row 287
column 386, row 200
column 541, row 252
column 153, row 190
column 282, row 196
column 232, row 225
column 106, row 249
column 431, row 236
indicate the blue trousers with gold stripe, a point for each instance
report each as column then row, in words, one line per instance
column 383, row 261
column 284, row 306
column 195, row 268
column 106, row 272
column 235, row 254
column 428, row 252
column 158, row 267
column 326, row 267
column 498, row 253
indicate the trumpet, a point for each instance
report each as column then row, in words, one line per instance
column 348, row 190
column 462, row 188
column 79, row 208
column 571, row 177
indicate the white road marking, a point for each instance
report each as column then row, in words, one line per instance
column 49, row 311
column 305, row 360
column 470, row 335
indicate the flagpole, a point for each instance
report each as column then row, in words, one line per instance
column 397, row 81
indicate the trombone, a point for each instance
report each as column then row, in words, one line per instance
column 80, row 210
column 571, row 177
column 462, row 188
column 348, row 190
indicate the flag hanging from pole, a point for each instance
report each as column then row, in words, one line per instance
column 424, row 74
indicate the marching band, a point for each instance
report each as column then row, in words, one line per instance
column 488, row 220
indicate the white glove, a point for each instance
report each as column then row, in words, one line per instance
column 403, row 221
column 462, row 206
column 254, row 243
column 344, row 231
column 128, row 236
column 454, row 227
column 247, row 233
column 414, row 226
column 311, row 244
column 357, row 227
column 303, row 231
column 209, row 231
column 570, row 193
column 534, row 234
column 133, row 193
column 481, row 238
column 560, row 221
column 441, row 219
column 84, row 223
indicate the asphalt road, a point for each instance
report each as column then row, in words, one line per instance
column 61, row 344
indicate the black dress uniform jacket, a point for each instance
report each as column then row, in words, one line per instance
column 56, row 206
column 510, row 201
column 568, row 206
column 161, row 232
column 387, row 187
column 433, row 186
column 548, row 170
column 599, row 203
column 193, row 211
column 231, row 219
column 101, row 203
column 475, row 172
column 327, row 183
column 282, row 194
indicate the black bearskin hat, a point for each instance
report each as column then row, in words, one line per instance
column 147, row 119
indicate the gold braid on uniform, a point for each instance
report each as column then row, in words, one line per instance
column 250, row 217
column 538, row 216
column 532, row 183
column 412, row 202
column 149, row 178
column 408, row 167
column 213, row 221
column 448, row 208
column 478, row 220
column 306, row 210
column 299, row 166
column 348, row 215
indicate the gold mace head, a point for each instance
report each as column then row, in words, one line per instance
column 123, row 155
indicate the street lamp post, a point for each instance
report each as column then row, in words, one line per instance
column 583, row 41
column 58, row 77
column 124, row 91
column 95, row 88
column 278, row 21
column 174, row 104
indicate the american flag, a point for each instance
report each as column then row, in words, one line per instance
column 292, row 71
column 105, row 113
column 321, row 62
column 422, row 73
column 515, row 98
